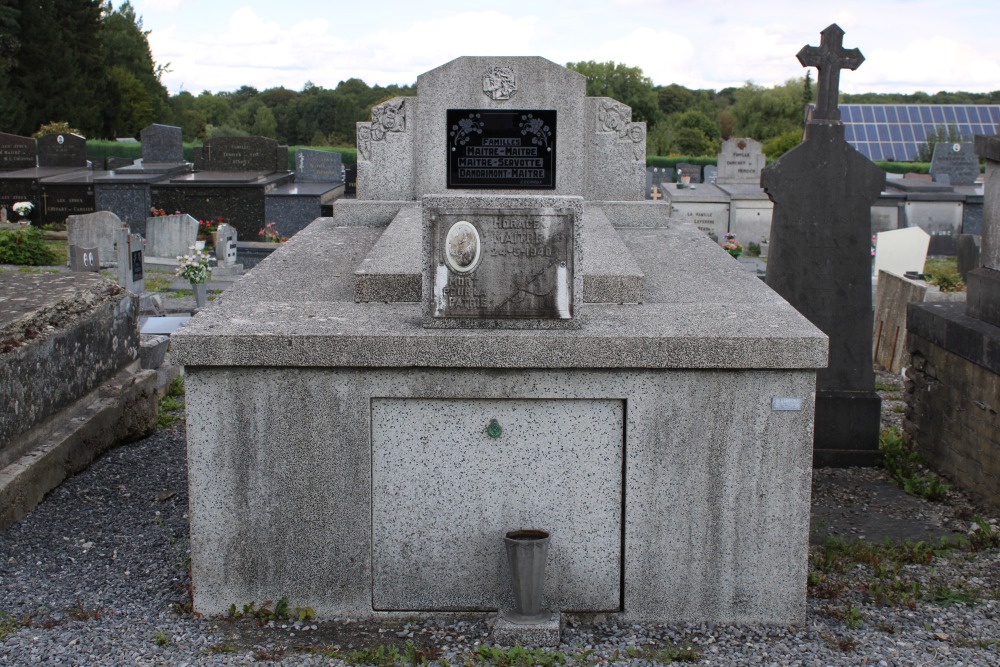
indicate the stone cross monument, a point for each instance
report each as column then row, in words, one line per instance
column 820, row 259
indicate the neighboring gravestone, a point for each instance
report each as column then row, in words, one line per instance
column 95, row 230
column 820, row 258
column 62, row 150
column 253, row 154
column 983, row 283
column 131, row 249
column 969, row 249
column 225, row 245
column 312, row 166
column 740, row 162
column 168, row 236
column 84, row 259
column 350, row 180
column 688, row 173
column 16, row 152
column 711, row 173
column 957, row 162
column 162, row 143
column 901, row 251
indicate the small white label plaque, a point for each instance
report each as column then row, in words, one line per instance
column 786, row 403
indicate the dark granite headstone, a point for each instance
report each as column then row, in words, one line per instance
column 691, row 171
column 312, row 166
column 972, row 214
column 820, row 260
column 956, row 161
column 84, row 259
column 61, row 199
column 62, row 150
column 162, row 143
column 969, row 248
column 711, row 173
column 16, row 152
column 351, row 180
column 248, row 154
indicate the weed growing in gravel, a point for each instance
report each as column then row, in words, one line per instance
column 222, row 647
column 264, row 613
column 944, row 595
column 845, row 644
column 171, row 406
column 983, row 534
column 10, row 624
column 161, row 638
column 884, row 386
column 666, row 653
column 907, row 467
column 517, row 656
column 835, row 569
column 181, row 293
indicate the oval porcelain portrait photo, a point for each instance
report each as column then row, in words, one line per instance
column 462, row 247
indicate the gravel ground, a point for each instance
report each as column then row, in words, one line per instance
column 97, row 575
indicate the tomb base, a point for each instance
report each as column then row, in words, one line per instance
column 544, row 632
column 847, row 428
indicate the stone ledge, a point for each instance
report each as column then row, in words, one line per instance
column 948, row 326
column 121, row 410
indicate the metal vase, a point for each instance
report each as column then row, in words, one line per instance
column 200, row 294
column 527, row 551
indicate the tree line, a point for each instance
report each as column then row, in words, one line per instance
column 88, row 64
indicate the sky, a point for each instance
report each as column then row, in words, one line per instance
column 909, row 45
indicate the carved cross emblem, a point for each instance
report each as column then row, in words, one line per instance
column 829, row 58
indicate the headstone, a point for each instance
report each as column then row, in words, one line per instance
column 16, row 152
column 312, row 166
column 901, row 251
column 87, row 260
column 969, row 250
column 350, row 180
column 62, row 150
column 711, row 173
column 688, row 173
column 651, row 175
column 957, row 161
column 131, row 249
column 983, row 283
column 162, row 143
column 225, row 245
column 820, row 258
column 168, row 236
column 502, row 149
column 248, row 154
column 940, row 215
column 493, row 268
column 740, row 162
column 95, row 230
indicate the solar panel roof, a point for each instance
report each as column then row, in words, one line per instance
column 897, row 131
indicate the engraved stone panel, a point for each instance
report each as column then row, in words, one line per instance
column 502, row 264
column 501, row 149
column 711, row 218
column 446, row 487
column 956, row 161
column 16, row 152
column 62, row 150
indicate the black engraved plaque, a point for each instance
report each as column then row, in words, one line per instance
column 502, row 149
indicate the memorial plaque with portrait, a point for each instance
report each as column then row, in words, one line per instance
column 503, row 264
column 501, row 149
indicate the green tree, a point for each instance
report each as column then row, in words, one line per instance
column 762, row 113
column 264, row 124
column 11, row 106
column 134, row 75
column 623, row 83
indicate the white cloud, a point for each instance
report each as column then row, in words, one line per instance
column 143, row 6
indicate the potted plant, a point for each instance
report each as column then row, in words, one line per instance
column 269, row 234
column 195, row 269
column 23, row 210
column 731, row 245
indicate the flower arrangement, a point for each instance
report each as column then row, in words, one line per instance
column 210, row 226
column 731, row 245
column 269, row 234
column 193, row 268
column 23, row 208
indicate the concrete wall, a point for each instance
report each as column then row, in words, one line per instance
column 716, row 510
